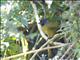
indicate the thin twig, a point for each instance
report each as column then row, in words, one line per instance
column 67, row 51
column 33, row 51
column 37, row 43
column 52, row 39
column 69, row 56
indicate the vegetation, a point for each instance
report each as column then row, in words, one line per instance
column 40, row 30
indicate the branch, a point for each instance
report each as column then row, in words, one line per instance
column 38, row 21
column 33, row 51
column 52, row 39
column 67, row 51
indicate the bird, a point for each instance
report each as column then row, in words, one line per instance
column 50, row 27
